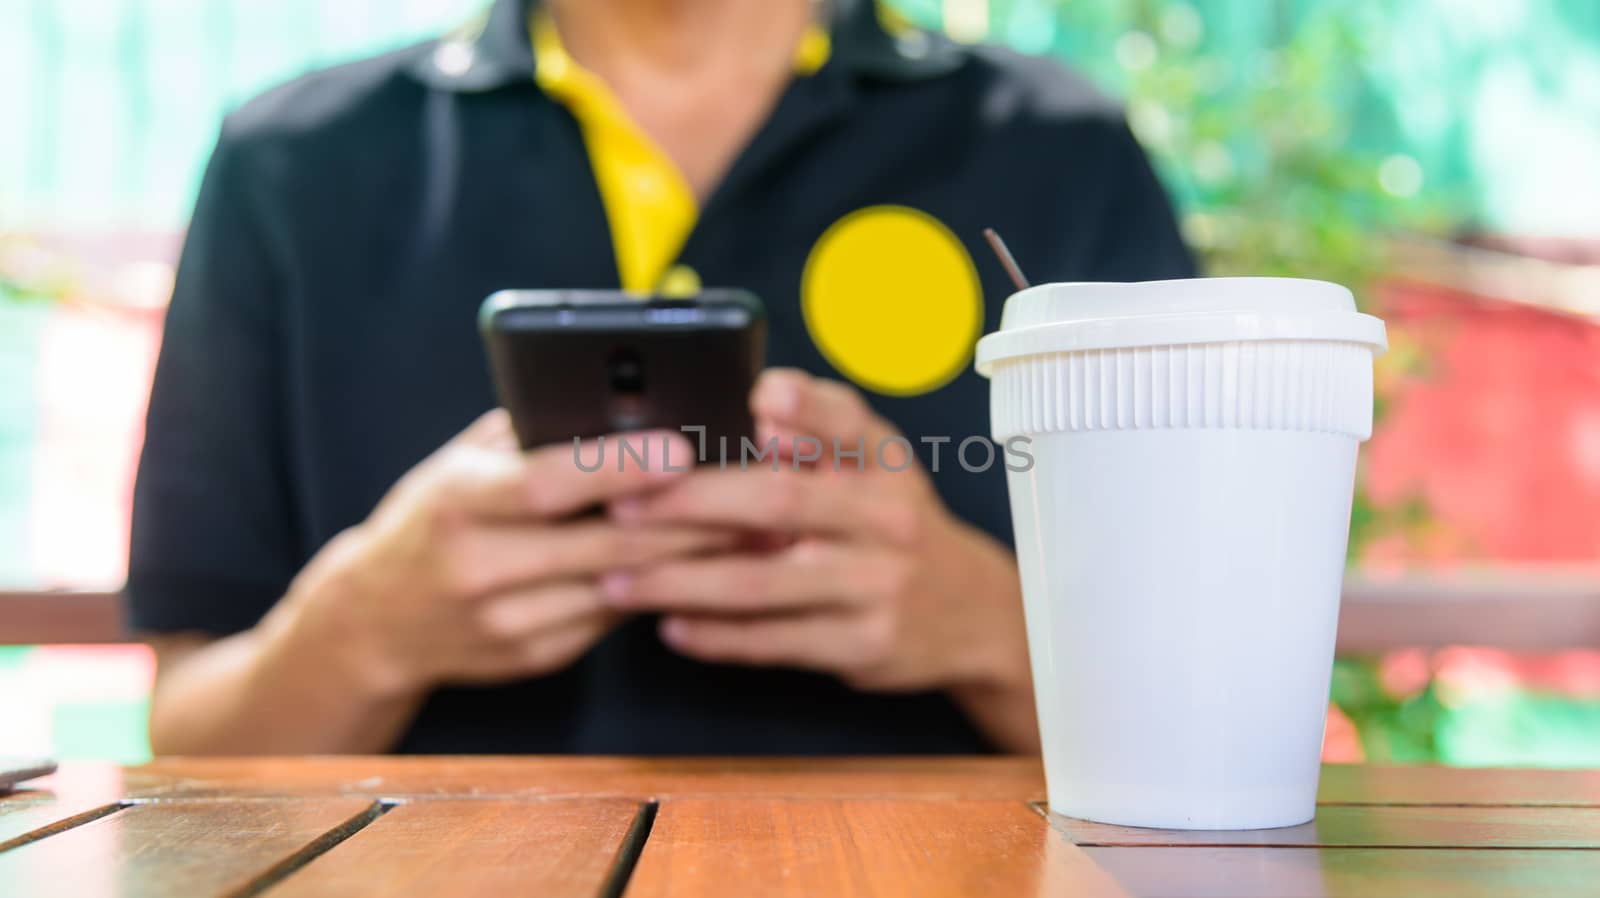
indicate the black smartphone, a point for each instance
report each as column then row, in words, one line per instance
column 16, row 771
column 583, row 363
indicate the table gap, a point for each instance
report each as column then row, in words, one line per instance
column 628, row 853
column 60, row 826
column 312, row 850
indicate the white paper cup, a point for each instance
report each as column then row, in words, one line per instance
column 1181, row 535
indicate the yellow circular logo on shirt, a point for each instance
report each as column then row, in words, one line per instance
column 892, row 299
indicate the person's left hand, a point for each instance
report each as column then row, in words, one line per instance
column 877, row 582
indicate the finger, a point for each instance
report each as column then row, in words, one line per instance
column 797, row 403
column 819, row 641
column 494, row 557
column 565, row 479
column 808, row 574
column 492, row 429
column 475, row 479
column 560, row 648
column 471, row 479
column 544, row 653
column 515, row 616
column 800, row 450
column 783, row 500
column 479, row 459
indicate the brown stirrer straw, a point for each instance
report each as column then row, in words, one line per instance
column 1006, row 260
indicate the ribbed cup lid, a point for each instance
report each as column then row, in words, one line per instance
column 1085, row 316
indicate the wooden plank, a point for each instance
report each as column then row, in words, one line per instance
column 1016, row 778
column 1376, row 827
column 1202, row 872
column 180, row 848
column 774, row 848
column 1363, row 784
column 61, row 617
column 465, row 848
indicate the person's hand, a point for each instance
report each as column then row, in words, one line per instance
column 879, row 583
column 474, row 567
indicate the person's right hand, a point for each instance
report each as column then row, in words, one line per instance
column 473, row 567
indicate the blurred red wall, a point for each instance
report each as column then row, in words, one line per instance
column 1497, row 430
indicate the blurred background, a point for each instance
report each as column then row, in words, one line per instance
column 1441, row 157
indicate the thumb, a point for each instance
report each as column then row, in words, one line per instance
column 795, row 403
column 492, row 430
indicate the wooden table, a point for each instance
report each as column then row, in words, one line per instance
column 559, row 827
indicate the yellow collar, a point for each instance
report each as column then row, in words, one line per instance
column 649, row 205
column 810, row 55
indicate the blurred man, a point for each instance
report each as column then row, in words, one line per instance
column 319, row 575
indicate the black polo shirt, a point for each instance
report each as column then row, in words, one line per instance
column 321, row 338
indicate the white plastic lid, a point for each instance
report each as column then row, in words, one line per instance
column 1076, row 317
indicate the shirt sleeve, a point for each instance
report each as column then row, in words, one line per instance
column 1138, row 237
column 212, row 544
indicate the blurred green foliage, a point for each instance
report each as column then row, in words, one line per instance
column 1262, row 122
column 1394, row 729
